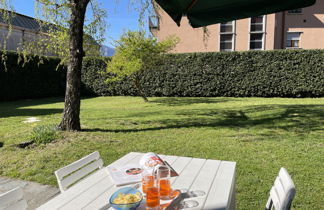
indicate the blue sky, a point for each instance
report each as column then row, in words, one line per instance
column 121, row 16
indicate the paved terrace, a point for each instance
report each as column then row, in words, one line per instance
column 35, row 194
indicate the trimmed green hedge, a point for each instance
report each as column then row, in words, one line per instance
column 280, row 73
column 31, row 80
column 93, row 76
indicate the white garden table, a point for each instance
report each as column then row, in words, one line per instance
column 212, row 180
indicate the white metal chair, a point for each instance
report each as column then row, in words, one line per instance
column 13, row 200
column 74, row 172
column 282, row 193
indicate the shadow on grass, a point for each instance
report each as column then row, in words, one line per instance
column 17, row 108
column 173, row 101
column 299, row 118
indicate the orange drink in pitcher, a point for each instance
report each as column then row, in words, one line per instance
column 163, row 175
column 165, row 188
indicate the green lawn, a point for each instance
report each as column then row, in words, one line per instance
column 260, row 134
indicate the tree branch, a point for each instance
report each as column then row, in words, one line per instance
column 49, row 3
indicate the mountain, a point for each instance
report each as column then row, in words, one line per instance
column 107, row 51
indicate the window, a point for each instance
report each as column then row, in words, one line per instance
column 257, row 33
column 154, row 22
column 227, row 36
column 295, row 11
column 293, row 40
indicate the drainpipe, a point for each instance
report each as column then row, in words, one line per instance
column 283, row 30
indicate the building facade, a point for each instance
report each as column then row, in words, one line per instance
column 24, row 29
column 295, row 29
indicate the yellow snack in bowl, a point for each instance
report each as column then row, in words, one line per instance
column 127, row 198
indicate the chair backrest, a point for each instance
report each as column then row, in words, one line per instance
column 282, row 193
column 13, row 200
column 71, row 174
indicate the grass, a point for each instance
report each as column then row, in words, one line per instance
column 260, row 134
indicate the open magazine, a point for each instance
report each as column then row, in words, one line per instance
column 132, row 173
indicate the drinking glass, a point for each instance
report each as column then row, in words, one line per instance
column 163, row 176
column 147, row 181
column 152, row 194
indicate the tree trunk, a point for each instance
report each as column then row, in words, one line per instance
column 139, row 87
column 71, row 114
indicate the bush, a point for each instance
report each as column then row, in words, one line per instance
column 279, row 73
column 33, row 79
column 93, row 76
column 44, row 134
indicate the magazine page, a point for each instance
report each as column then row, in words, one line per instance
column 128, row 174
column 151, row 160
column 132, row 173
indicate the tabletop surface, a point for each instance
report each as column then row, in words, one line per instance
column 211, row 184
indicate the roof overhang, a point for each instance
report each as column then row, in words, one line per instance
column 206, row 12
